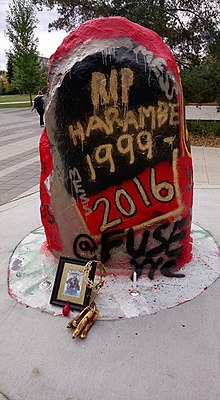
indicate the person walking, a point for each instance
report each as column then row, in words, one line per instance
column 39, row 106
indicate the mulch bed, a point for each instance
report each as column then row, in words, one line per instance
column 205, row 141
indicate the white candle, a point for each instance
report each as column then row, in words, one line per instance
column 134, row 279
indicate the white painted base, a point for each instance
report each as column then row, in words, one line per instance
column 26, row 274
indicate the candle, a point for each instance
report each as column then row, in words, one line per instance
column 134, row 279
column 134, row 291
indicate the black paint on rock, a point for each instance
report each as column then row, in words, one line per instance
column 84, row 247
column 161, row 256
column 74, row 104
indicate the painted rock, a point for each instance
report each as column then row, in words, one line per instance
column 116, row 179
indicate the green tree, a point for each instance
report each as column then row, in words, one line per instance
column 28, row 75
column 20, row 24
column 214, row 49
column 200, row 82
column 1, row 82
column 10, row 73
column 188, row 26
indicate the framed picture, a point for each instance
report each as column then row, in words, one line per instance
column 69, row 284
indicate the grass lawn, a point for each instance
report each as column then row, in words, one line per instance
column 15, row 100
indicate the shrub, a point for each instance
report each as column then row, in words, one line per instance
column 204, row 128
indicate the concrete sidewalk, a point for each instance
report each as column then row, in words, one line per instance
column 206, row 163
column 174, row 354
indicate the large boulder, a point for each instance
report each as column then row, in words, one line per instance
column 116, row 179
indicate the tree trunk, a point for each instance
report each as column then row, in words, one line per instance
column 31, row 100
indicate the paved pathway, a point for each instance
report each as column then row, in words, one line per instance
column 19, row 156
column 206, row 161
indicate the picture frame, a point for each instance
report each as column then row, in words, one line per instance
column 69, row 284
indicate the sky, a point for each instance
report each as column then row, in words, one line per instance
column 48, row 41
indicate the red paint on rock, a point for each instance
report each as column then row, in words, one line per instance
column 114, row 27
column 143, row 214
column 49, row 223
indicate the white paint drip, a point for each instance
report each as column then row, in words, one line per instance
column 158, row 66
column 107, row 54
